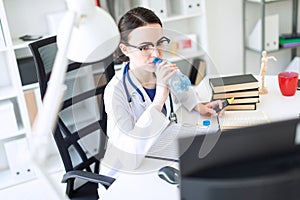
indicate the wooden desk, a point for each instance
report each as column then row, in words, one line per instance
column 145, row 183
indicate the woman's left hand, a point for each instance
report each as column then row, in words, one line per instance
column 208, row 109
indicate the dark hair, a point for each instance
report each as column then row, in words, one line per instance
column 134, row 18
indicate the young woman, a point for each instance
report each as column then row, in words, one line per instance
column 138, row 101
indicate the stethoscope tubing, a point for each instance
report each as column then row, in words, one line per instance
column 172, row 116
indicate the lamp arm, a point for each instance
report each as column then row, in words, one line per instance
column 46, row 118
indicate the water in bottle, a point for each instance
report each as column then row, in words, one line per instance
column 178, row 82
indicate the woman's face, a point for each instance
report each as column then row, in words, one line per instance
column 144, row 44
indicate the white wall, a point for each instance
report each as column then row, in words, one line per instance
column 225, row 35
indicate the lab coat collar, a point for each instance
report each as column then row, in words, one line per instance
column 132, row 91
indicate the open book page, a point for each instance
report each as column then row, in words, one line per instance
column 237, row 119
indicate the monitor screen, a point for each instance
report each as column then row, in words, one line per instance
column 258, row 162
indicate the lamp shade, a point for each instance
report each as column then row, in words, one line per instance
column 94, row 36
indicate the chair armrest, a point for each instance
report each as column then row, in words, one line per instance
column 89, row 176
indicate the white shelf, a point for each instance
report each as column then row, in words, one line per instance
column 181, row 17
column 13, row 134
column 7, row 92
column 32, row 86
column 3, row 49
column 6, row 179
column 21, row 44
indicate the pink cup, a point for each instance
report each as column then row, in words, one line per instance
column 288, row 83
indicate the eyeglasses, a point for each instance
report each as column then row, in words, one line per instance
column 148, row 47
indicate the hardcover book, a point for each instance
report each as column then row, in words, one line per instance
column 246, row 106
column 243, row 100
column 286, row 41
column 290, row 36
column 233, row 83
column 236, row 94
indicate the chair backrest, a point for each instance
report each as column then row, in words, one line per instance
column 81, row 128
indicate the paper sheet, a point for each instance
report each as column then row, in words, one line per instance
column 166, row 146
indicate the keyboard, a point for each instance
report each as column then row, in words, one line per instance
column 237, row 119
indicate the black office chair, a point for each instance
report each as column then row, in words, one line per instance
column 80, row 134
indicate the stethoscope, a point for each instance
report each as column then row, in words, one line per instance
column 172, row 116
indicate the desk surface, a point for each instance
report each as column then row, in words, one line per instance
column 274, row 104
column 145, row 183
column 277, row 106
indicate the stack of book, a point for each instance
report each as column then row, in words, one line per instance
column 289, row 40
column 244, row 89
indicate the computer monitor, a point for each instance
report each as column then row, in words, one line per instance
column 260, row 162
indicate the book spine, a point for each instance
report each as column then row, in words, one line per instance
column 287, row 45
column 290, row 36
column 285, row 41
column 235, row 95
column 249, row 106
column 242, row 100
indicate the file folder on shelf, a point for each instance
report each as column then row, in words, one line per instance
column 159, row 7
column 271, row 34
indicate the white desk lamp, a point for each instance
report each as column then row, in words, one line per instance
column 86, row 34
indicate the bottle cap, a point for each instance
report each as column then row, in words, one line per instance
column 206, row 122
column 157, row 60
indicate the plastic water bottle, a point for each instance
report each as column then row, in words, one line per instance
column 178, row 82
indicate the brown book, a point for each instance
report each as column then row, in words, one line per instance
column 243, row 100
column 236, row 94
column 233, row 83
column 246, row 106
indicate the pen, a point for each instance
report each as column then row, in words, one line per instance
column 224, row 104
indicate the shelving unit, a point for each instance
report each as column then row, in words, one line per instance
column 264, row 5
column 188, row 26
column 12, row 102
column 20, row 18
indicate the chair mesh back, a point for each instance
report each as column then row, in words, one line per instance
column 80, row 134
column 48, row 54
column 82, row 119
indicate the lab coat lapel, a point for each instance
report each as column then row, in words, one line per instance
column 137, row 103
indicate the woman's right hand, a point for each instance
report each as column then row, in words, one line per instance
column 164, row 72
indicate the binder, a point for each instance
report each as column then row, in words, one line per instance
column 271, row 34
column 196, row 6
column 187, row 6
column 18, row 156
column 160, row 8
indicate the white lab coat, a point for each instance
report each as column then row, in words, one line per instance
column 132, row 128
